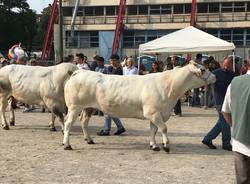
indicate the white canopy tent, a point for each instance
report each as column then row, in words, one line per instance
column 187, row 40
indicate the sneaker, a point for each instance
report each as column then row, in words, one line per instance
column 209, row 144
column 103, row 133
column 120, row 131
column 227, row 147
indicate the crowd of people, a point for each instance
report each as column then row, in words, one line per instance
column 233, row 111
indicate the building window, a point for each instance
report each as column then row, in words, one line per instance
column 99, row 11
column 178, row 8
column 226, row 7
column 248, row 6
column 166, row 9
column 94, row 39
column 187, row 8
column 89, row 11
column 247, row 37
column 143, row 10
column 213, row 32
column 238, row 36
column 202, row 8
column 213, row 7
column 67, row 11
column 155, row 10
column 82, row 39
column 132, row 39
column 110, row 10
column 225, row 34
column 239, row 7
column 132, row 10
column 128, row 39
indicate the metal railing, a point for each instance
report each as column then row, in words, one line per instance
column 166, row 18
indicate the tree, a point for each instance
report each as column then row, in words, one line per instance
column 18, row 24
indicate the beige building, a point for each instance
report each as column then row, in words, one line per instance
column 146, row 20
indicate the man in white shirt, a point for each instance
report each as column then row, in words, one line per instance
column 235, row 110
column 130, row 69
column 81, row 62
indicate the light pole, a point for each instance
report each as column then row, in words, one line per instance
column 61, row 30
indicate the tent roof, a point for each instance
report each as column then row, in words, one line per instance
column 187, row 40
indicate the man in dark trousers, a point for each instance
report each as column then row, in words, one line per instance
column 235, row 110
column 224, row 76
column 114, row 69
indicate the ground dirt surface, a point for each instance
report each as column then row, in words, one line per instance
column 30, row 153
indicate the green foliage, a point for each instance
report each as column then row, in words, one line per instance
column 42, row 27
column 18, row 24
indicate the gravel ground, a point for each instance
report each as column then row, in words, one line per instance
column 30, row 153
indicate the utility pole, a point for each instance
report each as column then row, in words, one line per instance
column 61, row 30
column 193, row 13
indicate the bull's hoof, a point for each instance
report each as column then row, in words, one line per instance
column 5, row 127
column 12, row 123
column 91, row 142
column 166, row 149
column 52, row 129
column 68, row 148
column 156, row 148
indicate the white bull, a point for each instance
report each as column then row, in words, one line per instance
column 35, row 85
column 149, row 97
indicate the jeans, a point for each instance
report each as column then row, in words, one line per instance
column 208, row 97
column 196, row 98
column 220, row 126
column 177, row 107
column 107, row 123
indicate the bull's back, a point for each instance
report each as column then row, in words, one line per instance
column 118, row 95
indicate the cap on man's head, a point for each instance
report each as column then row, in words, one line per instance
column 114, row 57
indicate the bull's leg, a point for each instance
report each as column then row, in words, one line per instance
column 85, row 117
column 12, row 113
column 52, row 122
column 3, row 105
column 71, row 117
column 158, row 121
column 153, row 131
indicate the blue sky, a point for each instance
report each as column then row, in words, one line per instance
column 38, row 5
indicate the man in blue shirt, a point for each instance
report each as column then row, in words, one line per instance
column 224, row 76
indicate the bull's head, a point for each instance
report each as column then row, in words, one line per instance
column 203, row 74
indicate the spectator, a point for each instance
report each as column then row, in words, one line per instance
column 196, row 91
column 169, row 65
column 236, row 112
column 161, row 65
column 207, row 95
column 155, row 68
column 81, row 61
column 69, row 59
column 93, row 64
column 114, row 69
column 130, row 69
column 224, row 77
column 142, row 67
column 100, row 65
column 177, row 107
column 244, row 68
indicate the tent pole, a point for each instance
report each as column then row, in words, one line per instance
column 139, row 63
column 233, row 61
